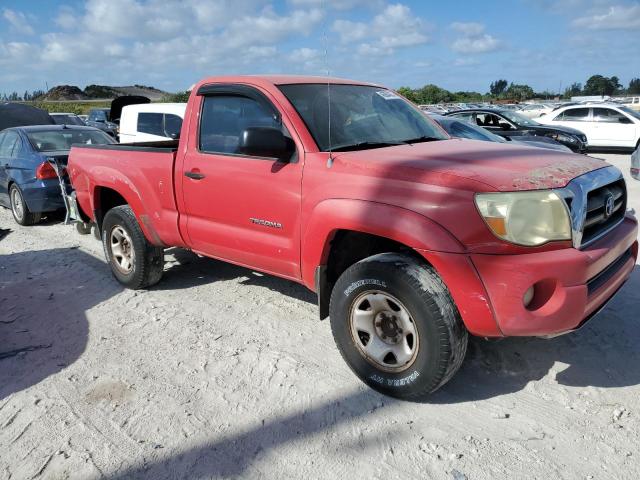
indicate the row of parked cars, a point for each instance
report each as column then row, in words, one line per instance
column 578, row 127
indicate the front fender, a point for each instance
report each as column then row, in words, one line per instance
column 395, row 223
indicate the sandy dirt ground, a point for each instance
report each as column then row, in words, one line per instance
column 221, row 372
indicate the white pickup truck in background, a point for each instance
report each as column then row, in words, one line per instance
column 151, row 122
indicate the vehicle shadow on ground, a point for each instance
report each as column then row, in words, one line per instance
column 43, row 298
column 231, row 456
column 600, row 355
column 189, row 270
column 604, row 353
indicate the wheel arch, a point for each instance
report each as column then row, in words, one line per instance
column 342, row 232
column 105, row 197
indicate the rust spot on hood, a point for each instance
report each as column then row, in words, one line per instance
column 555, row 176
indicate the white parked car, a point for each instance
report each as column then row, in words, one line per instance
column 605, row 124
column 534, row 110
column 151, row 122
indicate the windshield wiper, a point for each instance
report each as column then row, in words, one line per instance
column 365, row 145
column 421, row 139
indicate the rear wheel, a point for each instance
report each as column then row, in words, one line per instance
column 396, row 325
column 21, row 213
column 133, row 260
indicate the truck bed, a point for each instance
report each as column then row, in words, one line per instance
column 141, row 173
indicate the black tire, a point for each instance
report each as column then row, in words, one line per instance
column 148, row 260
column 441, row 341
column 83, row 228
column 22, row 216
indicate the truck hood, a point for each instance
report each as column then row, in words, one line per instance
column 489, row 165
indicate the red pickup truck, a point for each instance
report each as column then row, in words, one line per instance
column 411, row 240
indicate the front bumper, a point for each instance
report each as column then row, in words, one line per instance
column 570, row 284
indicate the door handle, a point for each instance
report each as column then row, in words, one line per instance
column 194, row 175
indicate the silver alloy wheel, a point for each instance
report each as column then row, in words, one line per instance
column 17, row 204
column 122, row 249
column 383, row 331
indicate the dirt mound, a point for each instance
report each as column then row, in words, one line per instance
column 100, row 92
column 64, row 92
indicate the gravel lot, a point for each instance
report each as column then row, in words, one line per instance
column 222, row 372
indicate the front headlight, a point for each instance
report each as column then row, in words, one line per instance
column 563, row 138
column 525, row 218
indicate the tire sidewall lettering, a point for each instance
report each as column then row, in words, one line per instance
column 366, row 281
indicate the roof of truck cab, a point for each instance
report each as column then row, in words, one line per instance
column 282, row 80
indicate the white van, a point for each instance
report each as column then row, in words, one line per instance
column 151, row 122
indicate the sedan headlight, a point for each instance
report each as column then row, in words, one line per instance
column 560, row 137
column 525, row 218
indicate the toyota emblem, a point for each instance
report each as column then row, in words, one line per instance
column 609, row 203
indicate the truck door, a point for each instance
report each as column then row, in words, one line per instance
column 238, row 207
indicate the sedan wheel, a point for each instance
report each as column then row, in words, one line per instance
column 17, row 205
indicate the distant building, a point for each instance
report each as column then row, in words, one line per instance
column 590, row 98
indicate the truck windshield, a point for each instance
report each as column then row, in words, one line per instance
column 362, row 117
column 62, row 139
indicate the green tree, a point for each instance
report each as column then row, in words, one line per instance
column 433, row 94
column 573, row 91
column 634, row 86
column 519, row 92
column 599, row 85
column 179, row 97
column 498, row 87
column 409, row 94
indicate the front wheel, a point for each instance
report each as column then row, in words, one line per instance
column 133, row 260
column 396, row 325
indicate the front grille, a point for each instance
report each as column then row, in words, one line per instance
column 598, row 220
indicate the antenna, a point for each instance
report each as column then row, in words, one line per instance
column 326, row 61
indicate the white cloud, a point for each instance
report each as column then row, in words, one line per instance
column 468, row 28
column 395, row 27
column 465, row 62
column 305, row 54
column 473, row 39
column 616, row 17
column 336, row 4
column 18, row 21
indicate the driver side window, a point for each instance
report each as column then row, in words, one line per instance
column 225, row 118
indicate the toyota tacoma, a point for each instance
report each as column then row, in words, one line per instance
column 411, row 240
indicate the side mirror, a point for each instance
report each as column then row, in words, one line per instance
column 505, row 126
column 175, row 135
column 266, row 142
column 624, row 120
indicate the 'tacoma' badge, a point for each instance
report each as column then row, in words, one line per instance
column 266, row 223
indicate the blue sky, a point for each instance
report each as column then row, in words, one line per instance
column 462, row 45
